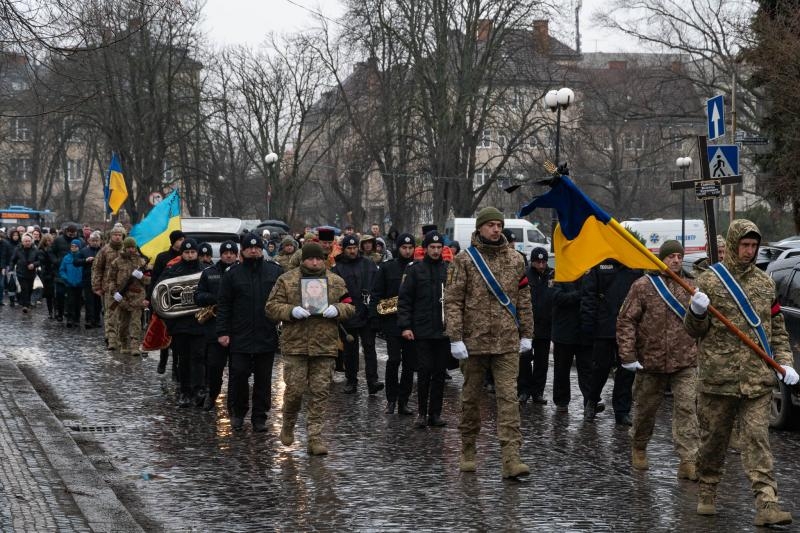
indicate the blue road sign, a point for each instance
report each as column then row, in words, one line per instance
column 715, row 107
column 723, row 160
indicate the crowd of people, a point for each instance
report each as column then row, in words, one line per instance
column 320, row 300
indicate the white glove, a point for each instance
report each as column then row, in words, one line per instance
column 299, row 313
column 525, row 345
column 633, row 367
column 117, row 297
column 459, row 350
column 699, row 303
column 138, row 274
column 330, row 312
column 790, row 377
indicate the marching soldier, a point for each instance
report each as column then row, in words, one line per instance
column 243, row 327
column 206, row 296
column 733, row 382
column 654, row 344
column 127, row 284
column 102, row 283
column 486, row 334
column 187, row 335
column 308, row 344
column 419, row 317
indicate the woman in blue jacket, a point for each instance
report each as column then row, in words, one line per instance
column 73, row 279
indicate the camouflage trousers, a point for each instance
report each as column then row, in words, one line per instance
column 110, row 318
column 716, row 415
column 303, row 373
column 129, row 329
column 505, row 369
column 648, row 393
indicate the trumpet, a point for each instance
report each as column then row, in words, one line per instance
column 174, row 297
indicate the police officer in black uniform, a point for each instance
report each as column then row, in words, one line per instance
column 176, row 239
column 206, row 296
column 400, row 350
column 419, row 317
column 187, row 335
column 531, row 381
column 243, row 326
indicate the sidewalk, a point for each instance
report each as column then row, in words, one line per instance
column 46, row 483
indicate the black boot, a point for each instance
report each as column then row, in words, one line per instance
column 436, row 421
column 589, row 411
column 375, row 387
column 209, row 403
column 350, row 388
column 389, row 408
column 402, row 408
column 420, row 422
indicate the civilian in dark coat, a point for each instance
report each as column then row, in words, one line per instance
column 568, row 345
column 92, row 301
column 531, row 382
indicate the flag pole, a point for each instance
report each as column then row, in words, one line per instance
column 622, row 232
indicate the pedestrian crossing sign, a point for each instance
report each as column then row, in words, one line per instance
column 723, row 160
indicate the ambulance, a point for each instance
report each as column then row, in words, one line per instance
column 655, row 232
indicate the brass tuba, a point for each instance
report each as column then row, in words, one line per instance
column 387, row 306
column 174, row 297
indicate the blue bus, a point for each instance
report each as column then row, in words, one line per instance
column 18, row 215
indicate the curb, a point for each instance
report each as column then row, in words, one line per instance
column 98, row 503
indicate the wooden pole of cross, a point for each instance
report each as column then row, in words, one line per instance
column 707, row 189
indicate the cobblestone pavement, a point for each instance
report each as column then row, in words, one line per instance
column 185, row 470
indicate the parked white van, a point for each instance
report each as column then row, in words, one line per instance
column 656, row 231
column 528, row 236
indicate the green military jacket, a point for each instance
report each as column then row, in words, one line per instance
column 725, row 364
column 101, row 266
column 119, row 274
column 474, row 315
column 313, row 336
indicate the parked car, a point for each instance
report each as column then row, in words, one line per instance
column 785, row 400
column 213, row 230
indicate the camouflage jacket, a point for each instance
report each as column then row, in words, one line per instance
column 474, row 315
column 726, row 364
column 284, row 259
column 101, row 267
column 313, row 336
column 649, row 331
column 120, row 272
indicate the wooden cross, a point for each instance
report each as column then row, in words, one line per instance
column 706, row 190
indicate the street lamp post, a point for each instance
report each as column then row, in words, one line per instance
column 270, row 159
column 556, row 101
column 683, row 163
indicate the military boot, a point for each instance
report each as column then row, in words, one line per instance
column 287, row 431
column 467, row 462
column 514, row 468
column 390, row 406
column 639, row 459
column 770, row 514
column 687, row 470
column 589, row 411
column 402, row 408
column 706, row 498
column 317, row 447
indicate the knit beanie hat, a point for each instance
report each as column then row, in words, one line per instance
column 175, row 235
column 286, row 241
column 404, row 238
column 118, row 228
column 128, row 242
column 205, row 249
column 349, row 240
column 432, row 237
column 228, row 246
column 251, row 240
column 668, row 248
column 189, row 244
column 486, row 214
column 75, row 242
column 312, row 249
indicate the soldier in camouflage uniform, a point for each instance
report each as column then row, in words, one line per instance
column 733, row 381
column 654, row 344
column 102, row 283
column 308, row 344
column 286, row 251
column 367, row 247
column 484, row 335
column 130, row 300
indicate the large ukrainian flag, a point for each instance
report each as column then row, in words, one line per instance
column 152, row 233
column 586, row 235
column 116, row 192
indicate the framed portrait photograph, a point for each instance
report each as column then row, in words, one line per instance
column 314, row 295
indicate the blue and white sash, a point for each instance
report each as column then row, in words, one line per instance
column 492, row 282
column 666, row 295
column 744, row 304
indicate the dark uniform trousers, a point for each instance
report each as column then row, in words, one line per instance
column 432, row 356
column 604, row 355
column 190, row 352
column 533, row 368
column 242, row 365
column 400, row 351
column 563, row 355
column 93, row 305
column 367, row 337
column 216, row 361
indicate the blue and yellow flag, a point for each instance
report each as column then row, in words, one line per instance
column 586, row 235
column 114, row 189
column 152, row 233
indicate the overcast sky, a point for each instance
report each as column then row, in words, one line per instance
column 248, row 21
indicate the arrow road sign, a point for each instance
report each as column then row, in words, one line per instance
column 723, row 160
column 715, row 108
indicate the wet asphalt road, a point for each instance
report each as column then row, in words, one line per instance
column 185, row 470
